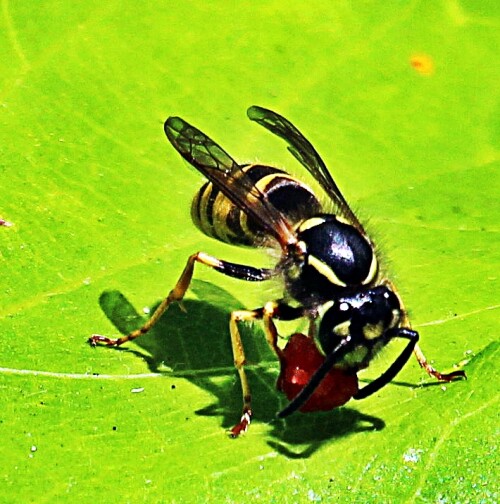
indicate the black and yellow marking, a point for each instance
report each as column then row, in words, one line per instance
column 328, row 263
column 218, row 217
column 354, row 260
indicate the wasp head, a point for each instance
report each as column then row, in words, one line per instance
column 365, row 319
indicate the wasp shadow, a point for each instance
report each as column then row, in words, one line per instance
column 302, row 434
column 193, row 342
column 188, row 338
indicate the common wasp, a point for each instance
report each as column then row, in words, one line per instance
column 327, row 264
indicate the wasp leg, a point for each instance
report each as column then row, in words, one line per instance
column 433, row 372
column 239, row 363
column 395, row 367
column 273, row 309
column 281, row 311
column 177, row 293
column 270, row 329
column 417, row 350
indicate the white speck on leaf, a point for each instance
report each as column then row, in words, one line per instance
column 412, row 455
column 313, row 496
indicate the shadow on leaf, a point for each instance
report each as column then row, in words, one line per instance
column 312, row 430
column 194, row 343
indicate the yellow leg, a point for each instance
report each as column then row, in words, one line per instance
column 272, row 309
column 433, row 372
column 270, row 327
column 417, row 351
column 239, row 362
column 175, row 295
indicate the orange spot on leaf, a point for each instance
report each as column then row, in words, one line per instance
column 422, row 64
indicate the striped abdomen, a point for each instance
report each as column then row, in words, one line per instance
column 216, row 216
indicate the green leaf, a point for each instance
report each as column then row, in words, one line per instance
column 400, row 99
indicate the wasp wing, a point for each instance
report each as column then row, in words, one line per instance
column 226, row 174
column 306, row 154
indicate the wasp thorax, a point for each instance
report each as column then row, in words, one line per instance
column 338, row 256
column 365, row 317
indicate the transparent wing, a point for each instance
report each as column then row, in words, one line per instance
column 223, row 171
column 306, row 154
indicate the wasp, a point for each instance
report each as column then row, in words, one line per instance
column 327, row 263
